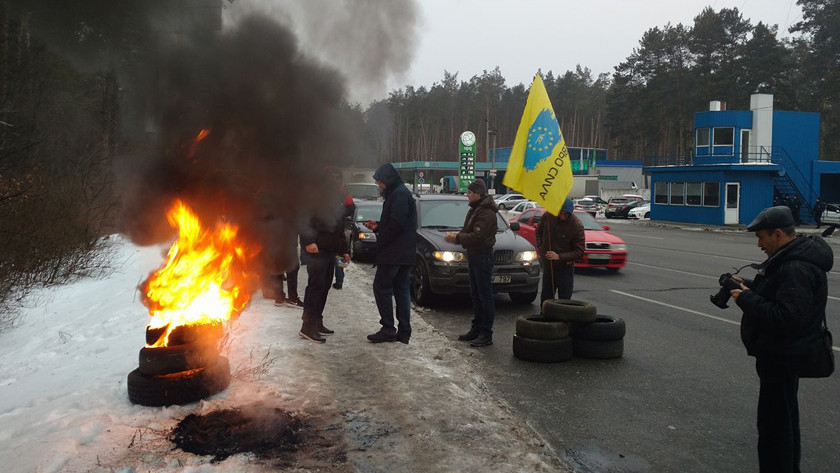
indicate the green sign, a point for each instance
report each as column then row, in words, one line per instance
column 579, row 166
column 607, row 178
column 466, row 160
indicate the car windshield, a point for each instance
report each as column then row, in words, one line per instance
column 589, row 223
column 368, row 212
column 448, row 214
column 363, row 191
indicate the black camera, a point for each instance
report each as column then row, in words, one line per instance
column 726, row 284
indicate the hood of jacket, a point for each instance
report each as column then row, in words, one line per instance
column 811, row 248
column 387, row 174
column 486, row 201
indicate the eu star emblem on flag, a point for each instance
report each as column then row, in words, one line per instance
column 542, row 136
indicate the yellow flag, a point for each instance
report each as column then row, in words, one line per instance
column 539, row 166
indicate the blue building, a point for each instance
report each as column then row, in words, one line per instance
column 742, row 162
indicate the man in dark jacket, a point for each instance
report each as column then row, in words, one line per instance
column 478, row 237
column 560, row 241
column 396, row 233
column 321, row 243
column 783, row 309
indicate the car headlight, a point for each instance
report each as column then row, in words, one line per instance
column 526, row 256
column 367, row 236
column 621, row 247
column 449, row 256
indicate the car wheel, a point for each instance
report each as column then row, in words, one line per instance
column 421, row 292
column 523, row 297
column 537, row 327
column 354, row 250
column 647, row 214
column 542, row 351
column 605, row 328
column 598, row 349
column 568, row 310
column 501, row 206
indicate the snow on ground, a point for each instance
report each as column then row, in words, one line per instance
column 368, row 408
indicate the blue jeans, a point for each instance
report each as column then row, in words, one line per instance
column 319, row 268
column 339, row 274
column 392, row 282
column 481, row 291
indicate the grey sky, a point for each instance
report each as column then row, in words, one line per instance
column 469, row 36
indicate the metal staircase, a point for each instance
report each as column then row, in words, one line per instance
column 785, row 186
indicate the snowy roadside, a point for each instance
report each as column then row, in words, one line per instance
column 367, row 408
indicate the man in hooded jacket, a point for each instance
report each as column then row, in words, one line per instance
column 784, row 307
column 396, row 246
column 560, row 241
column 478, row 236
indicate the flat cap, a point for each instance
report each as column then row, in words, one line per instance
column 779, row 216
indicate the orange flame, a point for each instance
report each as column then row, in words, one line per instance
column 205, row 280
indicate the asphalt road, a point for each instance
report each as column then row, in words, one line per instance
column 683, row 396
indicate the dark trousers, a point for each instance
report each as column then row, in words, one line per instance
column 778, row 418
column 481, row 291
column 319, row 268
column 392, row 283
column 563, row 283
column 291, row 283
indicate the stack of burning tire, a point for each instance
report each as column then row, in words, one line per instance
column 566, row 328
column 187, row 369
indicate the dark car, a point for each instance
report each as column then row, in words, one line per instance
column 362, row 241
column 618, row 207
column 441, row 266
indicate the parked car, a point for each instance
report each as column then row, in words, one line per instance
column 521, row 207
column 619, row 206
column 589, row 205
column 362, row 241
column 603, row 249
column 640, row 211
column 831, row 214
column 596, row 198
column 441, row 267
column 363, row 190
column 508, row 201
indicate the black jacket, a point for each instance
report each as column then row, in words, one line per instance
column 327, row 231
column 396, row 236
column 480, row 226
column 786, row 304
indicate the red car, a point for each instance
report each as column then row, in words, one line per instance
column 603, row 249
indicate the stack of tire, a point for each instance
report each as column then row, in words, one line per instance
column 187, row 370
column 566, row 328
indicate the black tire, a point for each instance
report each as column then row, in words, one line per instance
column 569, row 310
column 501, row 206
column 168, row 360
column 185, row 334
column 598, row 350
column 605, row 327
column 156, row 391
column 523, row 297
column 353, row 253
column 537, row 327
column 647, row 214
column 421, row 292
column 542, row 351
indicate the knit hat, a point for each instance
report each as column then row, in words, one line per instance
column 568, row 206
column 478, row 187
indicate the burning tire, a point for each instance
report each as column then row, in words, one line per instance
column 185, row 334
column 568, row 310
column 537, row 327
column 178, row 388
column 175, row 359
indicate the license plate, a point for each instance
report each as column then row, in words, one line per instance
column 599, row 258
column 501, row 278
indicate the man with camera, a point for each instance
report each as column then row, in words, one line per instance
column 782, row 308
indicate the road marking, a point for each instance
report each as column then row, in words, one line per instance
column 714, row 317
column 642, row 236
column 673, row 270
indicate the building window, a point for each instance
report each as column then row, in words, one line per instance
column 693, row 193
column 711, row 194
column 660, row 193
column 677, row 193
column 703, row 137
column 724, row 136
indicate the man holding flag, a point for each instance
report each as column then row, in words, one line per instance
column 540, row 169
